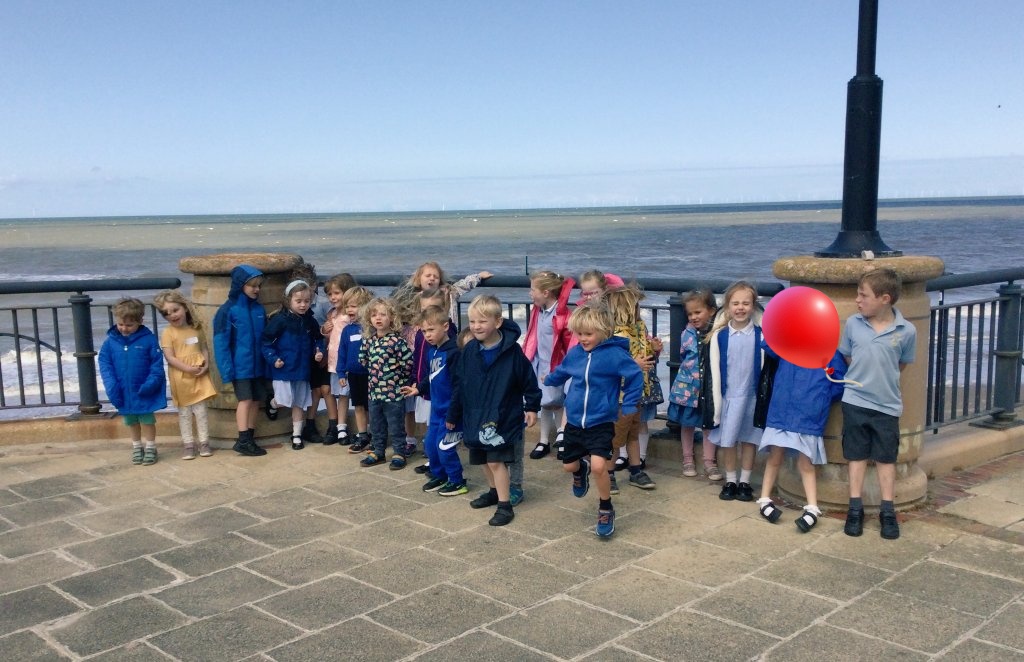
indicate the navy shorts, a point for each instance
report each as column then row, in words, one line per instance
column 869, row 434
column 584, row 442
column 359, row 389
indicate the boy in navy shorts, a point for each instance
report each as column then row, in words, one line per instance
column 877, row 343
column 600, row 366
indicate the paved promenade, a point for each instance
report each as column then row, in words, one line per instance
column 306, row 556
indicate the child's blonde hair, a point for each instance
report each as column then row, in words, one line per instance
column 595, row 274
column 433, row 315
column 358, row 296
column 547, row 281
column 722, row 318
column 596, row 318
column 414, row 280
column 433, row 294
column 129, row 309
column 883, row 281
column 486, row 305
column 388, row 305
column 175, row 296
column 624, row 304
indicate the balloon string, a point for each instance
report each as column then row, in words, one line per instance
column 842, row 381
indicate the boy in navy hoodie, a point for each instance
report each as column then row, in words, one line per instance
column 237, row 331
column 600, row 367
column 440, row 444
column 495, row 389
column 133, row 375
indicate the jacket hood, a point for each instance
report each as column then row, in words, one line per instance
column 241, row 275
column 510, row 333
column 608, row 343
column 140, row 332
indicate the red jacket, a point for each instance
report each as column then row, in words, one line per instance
column 563, row 336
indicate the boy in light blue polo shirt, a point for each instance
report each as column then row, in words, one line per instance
column 877, row 343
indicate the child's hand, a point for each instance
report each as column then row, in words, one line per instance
column 279, row 363
column 656, row 344
column 342, row 381
column 408, row 391
column 484, row 275
column 326, row 328
column 449, row 426
column 645, row 363
column 531, row 418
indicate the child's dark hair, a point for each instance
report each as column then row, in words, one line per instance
column 293, row 288
column 883, row 281
column 175, row 296
column 304, row 271
column 129, row 309
column 343, row 282
column 704, row 296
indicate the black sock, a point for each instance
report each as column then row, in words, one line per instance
column 856, row 503
column 504, row 505
column 493, row 492
column 634, row 469
column 604, row 504
column 332, row 423
column 887, row 507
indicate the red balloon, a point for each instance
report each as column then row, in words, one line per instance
column 801, row 325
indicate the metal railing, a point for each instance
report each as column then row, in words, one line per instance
column 974, row 356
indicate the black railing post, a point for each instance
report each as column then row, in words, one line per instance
column 81, row 315
column 1008, row 357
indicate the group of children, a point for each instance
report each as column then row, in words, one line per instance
column 587, row 375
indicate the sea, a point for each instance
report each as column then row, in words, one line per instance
column 694, row 241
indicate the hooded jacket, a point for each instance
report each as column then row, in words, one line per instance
column 563, row 337
column 597, row 378
column 294, row 339
column 489, row 401
column 132, row 368
column 237, row 330
column 436, row 385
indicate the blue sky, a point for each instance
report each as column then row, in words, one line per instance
column 125, row 108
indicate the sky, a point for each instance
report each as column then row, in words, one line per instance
column 184, row 107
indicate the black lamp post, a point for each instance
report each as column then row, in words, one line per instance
column 858, row 231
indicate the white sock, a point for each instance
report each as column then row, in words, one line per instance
column 813, row 508
column 547, row 426
column 745, row 475
column 136, row 443
column 297, row 428
column 342, row 426
column 763, row 500
column 645, row 438
column 730, row 476
column 623, row 454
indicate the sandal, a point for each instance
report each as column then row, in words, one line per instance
column 270, row 408
column 397, row 462
column 770, row 511
column 540, row 450
column 807, row 520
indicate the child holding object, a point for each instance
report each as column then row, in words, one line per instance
column 600, row 366
column 877, row 343
column 291, row 342
column 132, row 369
column 237, row 330
column 798, row 407
column 188, row 367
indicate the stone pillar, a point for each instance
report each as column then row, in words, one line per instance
column 210, row 288
column 837, row 278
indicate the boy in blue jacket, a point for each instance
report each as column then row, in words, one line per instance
column 600, row 367
column 132, row 368
column 445, row 468
column 798, row 410
column 495, row 390
column 237, row 331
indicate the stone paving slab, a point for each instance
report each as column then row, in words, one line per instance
column 298, row 558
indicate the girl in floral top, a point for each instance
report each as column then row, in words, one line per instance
column 685, row 400
column 388, row 358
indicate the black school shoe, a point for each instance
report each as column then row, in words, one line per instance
column 502, row 516
column 854, row 522
column 744, row 492
column 890, row 525
column 728, row 492
column 310, row 434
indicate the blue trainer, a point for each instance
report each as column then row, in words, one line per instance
column 516, row 496
column 581, row 480
column 605, row 523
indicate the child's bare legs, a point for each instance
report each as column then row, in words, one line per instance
column 809, row 479
column 886, row 480
column 633, row 452
column 729, row 462
column 747, row 453
column 856, row 470
column 341, row 408
column 135, row 432
column 245, row 415
column 599, row 474
column 362, row 419
column 771, row 471
column 497, row 478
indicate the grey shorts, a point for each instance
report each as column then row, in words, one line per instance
column 869, row 434
column 251, row 389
